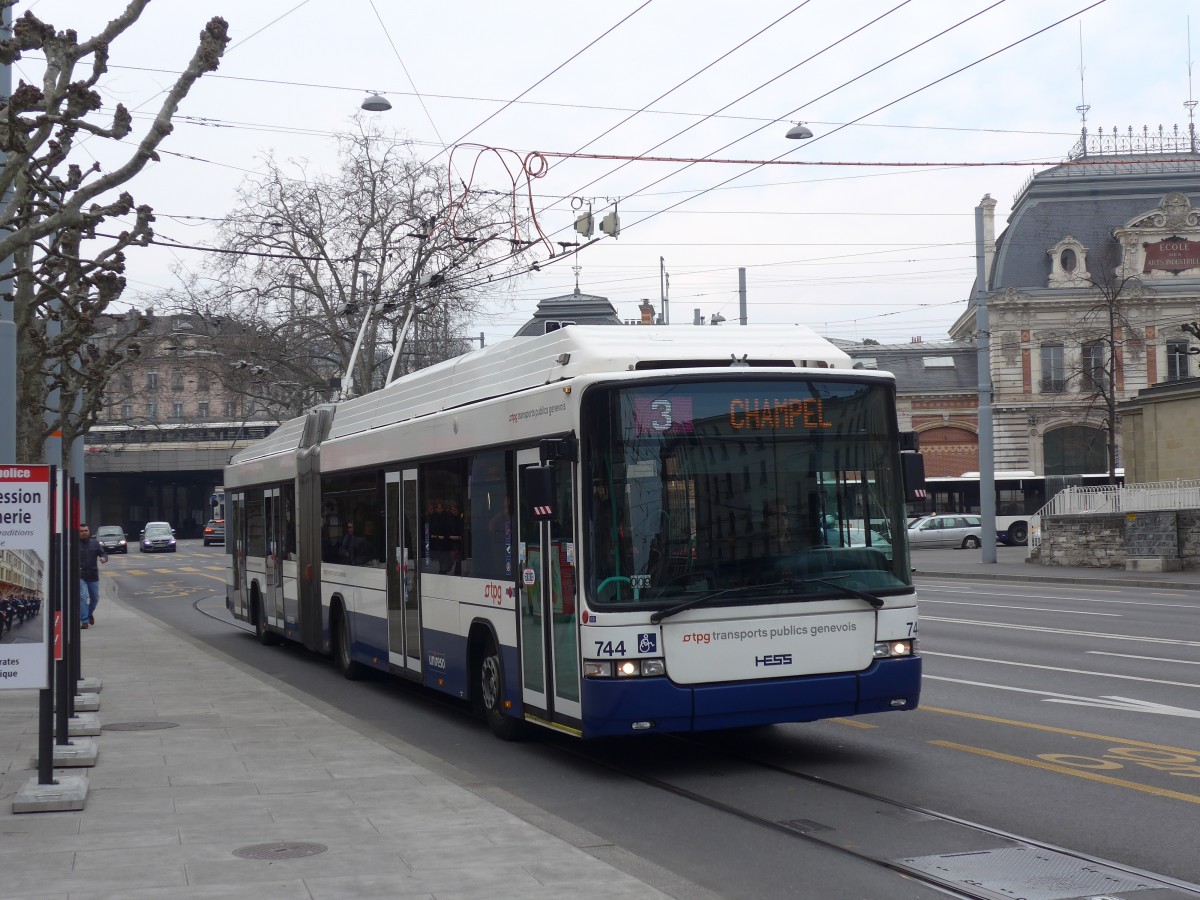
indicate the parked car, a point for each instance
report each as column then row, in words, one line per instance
column 157, row 537
column 112, row 539
column 214, row 532
column 946, row 531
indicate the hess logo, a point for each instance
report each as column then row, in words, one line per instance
column 774, row 659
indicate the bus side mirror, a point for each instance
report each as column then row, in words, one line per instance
column 540, row 493
column 913, row 469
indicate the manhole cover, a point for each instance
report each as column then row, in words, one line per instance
column 285, row 850
column 138, row 726
column 1031, row 873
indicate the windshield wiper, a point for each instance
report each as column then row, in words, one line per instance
column 848, row 591
column 657, row 617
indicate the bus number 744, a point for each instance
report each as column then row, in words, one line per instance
column 608, row 648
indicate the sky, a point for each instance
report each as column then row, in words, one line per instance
column 865, row 231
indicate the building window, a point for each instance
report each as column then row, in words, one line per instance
column 177, row 410
column 152, row 381
column 202, row 382
column 127, row 382
column 202, row 409
column 1177, row 360
column 1068, row 260
column 177, row 380
column 231, row 408
column 1053, row 372
column 127, row 411
column 152, row 410
column 1091, row 366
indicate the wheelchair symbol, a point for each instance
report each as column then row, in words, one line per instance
column 647, row 643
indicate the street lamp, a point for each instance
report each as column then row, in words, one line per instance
column 798, row 132
column 376, row 103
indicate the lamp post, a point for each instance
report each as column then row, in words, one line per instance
column 987, row 462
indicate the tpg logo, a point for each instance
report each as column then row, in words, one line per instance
column 774, row 659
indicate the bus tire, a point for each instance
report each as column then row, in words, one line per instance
column 490, row 681
column 265, row 636
column 970, row 542
column 347, row 665
column 1018, row 532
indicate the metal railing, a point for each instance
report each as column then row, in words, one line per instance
column 1158, row 495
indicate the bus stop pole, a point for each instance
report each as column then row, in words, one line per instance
column 987, row 461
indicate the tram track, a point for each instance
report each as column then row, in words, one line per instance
column 976, row 861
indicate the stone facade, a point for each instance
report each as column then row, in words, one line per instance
column 1128, row 219
column 1161, row 427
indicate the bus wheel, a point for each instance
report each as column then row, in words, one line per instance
column 970, row 542
column 491, row 694
column 265, row 637
column 1018, row 532
column 346, row 664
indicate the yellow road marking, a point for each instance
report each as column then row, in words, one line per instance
column 854, row 723
column 1067, row 731
column 1064, row 770
column 164, row 571
column 188, row 569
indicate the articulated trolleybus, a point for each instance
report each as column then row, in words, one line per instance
column 600, row 530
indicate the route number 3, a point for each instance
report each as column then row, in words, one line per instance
column 663, row 420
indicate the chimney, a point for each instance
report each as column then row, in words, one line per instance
column 917, row 339
column 989, row 236
column 647, row 311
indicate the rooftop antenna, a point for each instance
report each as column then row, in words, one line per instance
column 1083, row 107
column 1190, row 103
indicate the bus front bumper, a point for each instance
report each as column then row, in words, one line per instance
column 636, row 706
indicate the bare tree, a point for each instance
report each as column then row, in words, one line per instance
column 317, row 267
column 65, row 272
column 1108, row 341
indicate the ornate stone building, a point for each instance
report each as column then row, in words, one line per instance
column 1087, row 288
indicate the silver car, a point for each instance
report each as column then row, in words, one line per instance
column 946, row 531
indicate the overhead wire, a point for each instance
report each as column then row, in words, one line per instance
column 813, row 56
column 865, row 115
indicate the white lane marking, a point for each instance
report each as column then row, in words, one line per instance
column 1009, row 662
column 1065, row 612
column 1084, row 599
column 1186, row 662
column 1000, row 585
column 1122, row 703
column 1043, row 630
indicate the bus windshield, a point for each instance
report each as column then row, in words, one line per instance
column 754, row 488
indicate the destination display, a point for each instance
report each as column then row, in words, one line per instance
column 722, row 409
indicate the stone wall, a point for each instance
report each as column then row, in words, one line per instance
column 1092, row 540
column 1109, row 540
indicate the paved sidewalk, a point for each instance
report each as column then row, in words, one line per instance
column 1011, row 565
column 249, row 763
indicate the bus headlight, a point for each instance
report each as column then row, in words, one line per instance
column 892, row 649
column 624, row 668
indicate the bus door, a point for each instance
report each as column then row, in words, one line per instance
column 403, row 573
column 273, row 526
column 235, row 546
column 549, row 618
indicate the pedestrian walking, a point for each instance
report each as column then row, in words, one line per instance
column 90, row 555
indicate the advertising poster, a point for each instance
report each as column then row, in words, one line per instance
column 24, row 575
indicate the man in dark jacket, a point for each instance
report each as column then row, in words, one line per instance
column 90, row 553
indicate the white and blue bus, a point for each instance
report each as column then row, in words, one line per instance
column 600, row 530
